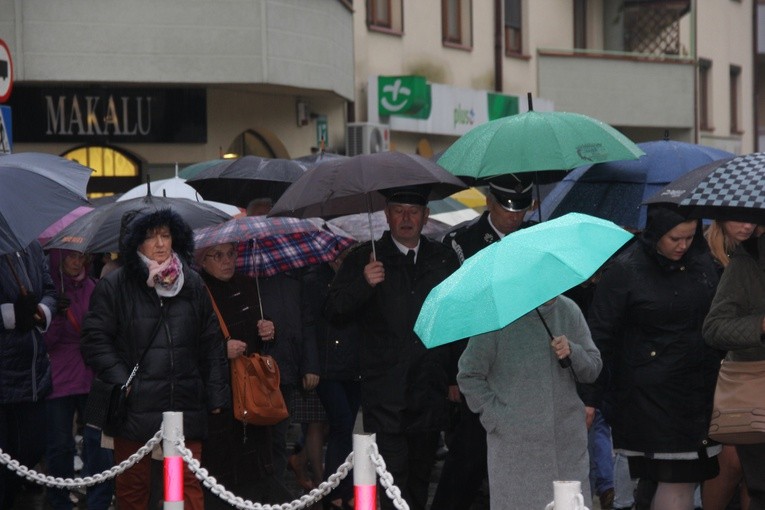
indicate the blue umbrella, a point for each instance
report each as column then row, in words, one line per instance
column 617, row 190
column 508, row 279
column 37, row 190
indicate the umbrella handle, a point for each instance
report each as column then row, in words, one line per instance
column 564, row 362
column 22, row 289
column 257, row 278
column 371, row 230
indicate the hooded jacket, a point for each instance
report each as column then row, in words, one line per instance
column 646, row 319
column 185, row 366
column 68, row 370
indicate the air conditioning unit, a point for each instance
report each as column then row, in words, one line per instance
column 366, row 138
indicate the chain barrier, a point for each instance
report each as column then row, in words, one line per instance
column 386, row 479
column 87, row 481
column 305, row 501
column 219, row 490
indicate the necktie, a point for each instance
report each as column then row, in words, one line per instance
column 410, row 257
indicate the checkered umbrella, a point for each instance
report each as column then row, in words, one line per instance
column 729, row 189
column 268, row 246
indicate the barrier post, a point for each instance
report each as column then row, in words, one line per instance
column 172, row 427
column 364, row 476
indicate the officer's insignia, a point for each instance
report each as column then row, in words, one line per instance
column 488, row 237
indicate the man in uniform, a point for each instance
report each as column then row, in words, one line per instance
column 508, row 200
column 403, row 384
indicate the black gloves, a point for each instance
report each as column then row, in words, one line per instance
column 62, row 305
column 24, row 309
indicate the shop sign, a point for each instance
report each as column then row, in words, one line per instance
column 106, row 114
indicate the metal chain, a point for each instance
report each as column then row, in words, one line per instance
column 386, row 479
column 73, row 483
column 219, row 490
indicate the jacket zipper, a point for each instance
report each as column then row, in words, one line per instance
column 172, row 358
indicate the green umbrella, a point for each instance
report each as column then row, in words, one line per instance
column 510, row 278
column 192, row 170
column 536, row 141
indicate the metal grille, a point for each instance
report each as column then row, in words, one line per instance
column 652, row 29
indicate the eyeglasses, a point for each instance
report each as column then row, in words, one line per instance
column 220, row 256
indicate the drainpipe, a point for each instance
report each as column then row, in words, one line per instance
column 695, row 56
column 498, row 56
column 755, row 77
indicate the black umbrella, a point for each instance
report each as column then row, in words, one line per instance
column 98, row 231
column 312, row 160
column 338, row 187
column 729, row 189
column 237, row 181
column 37, row 190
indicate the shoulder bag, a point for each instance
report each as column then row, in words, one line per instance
column 106, row 406
column 738, row 415
column 256, row 397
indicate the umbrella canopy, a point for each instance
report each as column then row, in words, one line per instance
column 59, row 225
column 193, row 169
column 273, row 245
column 35, row 191
column 340, row 187
column 357, row 226
column 730, row 189
column 533, row 142
column 510, row 278
column 98, row 231
column 175, row 187
column 617, row 190
column 450, row 211
column 237, row 181
column 312, row 160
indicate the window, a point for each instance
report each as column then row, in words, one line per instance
column 385, row 16
column 513, row 27
column 114, row 171
column 580, row 24
column 705, row 77
column 456, row 22
column 735, row 93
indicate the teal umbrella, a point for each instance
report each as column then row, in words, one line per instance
column 510, row 278
column 533, row 142
column 193, row 169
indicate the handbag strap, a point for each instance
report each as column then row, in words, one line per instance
column 222, row 323
column 143, row 354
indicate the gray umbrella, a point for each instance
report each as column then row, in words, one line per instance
column 237, row 181
column 98, row 231
column 37, row 190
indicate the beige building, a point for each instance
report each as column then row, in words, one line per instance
column 133, row 87
column 645, row 67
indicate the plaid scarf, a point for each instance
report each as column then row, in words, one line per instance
column 166, row 278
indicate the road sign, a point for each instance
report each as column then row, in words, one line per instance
column 6, row 72
column 322, row 131
column 6, row 132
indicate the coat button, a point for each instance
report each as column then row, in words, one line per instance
column 653, row 353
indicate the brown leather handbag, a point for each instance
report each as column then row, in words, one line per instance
column 257, row 399
column 738, row 415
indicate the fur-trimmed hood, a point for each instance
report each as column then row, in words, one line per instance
column 136, row 223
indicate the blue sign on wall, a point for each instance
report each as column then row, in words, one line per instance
column 6, row 131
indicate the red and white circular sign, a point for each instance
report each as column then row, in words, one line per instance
column 6, row 72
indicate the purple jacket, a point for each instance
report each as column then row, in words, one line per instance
column 69, row 373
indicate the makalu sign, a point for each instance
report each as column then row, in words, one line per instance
column 409, row 103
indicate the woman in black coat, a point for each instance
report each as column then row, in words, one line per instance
column 646, row 319
column 156, row 304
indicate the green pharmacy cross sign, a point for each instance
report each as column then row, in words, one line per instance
column 405, row 96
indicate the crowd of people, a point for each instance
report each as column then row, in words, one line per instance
column 642, row 341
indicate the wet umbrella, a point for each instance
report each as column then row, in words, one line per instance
column 534, row 142
column 175, row 187
column 616, row 190
column 730, row 189
column 237, row 181
column 190, row 171
column 37, row 190
column 340, row 187
column 312, row 160
column 510, row 278
column 98, row 231
column 273, row 245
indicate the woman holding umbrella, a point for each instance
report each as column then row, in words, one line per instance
column 646, row 319
column 238, row 454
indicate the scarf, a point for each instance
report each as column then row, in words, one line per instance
column 166, row 278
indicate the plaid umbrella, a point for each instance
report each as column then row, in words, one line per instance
column 268, row 246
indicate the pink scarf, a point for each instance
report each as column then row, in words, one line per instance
column 166, row 278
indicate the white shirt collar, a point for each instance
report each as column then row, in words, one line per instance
column 404, row 250
column 500, row 234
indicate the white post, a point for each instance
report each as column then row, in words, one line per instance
column 364, row 476
column 172, row 427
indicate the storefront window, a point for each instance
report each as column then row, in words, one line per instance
column 114, row 171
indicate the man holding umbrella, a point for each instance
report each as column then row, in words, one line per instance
column 404, row 385
column 464, row 470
